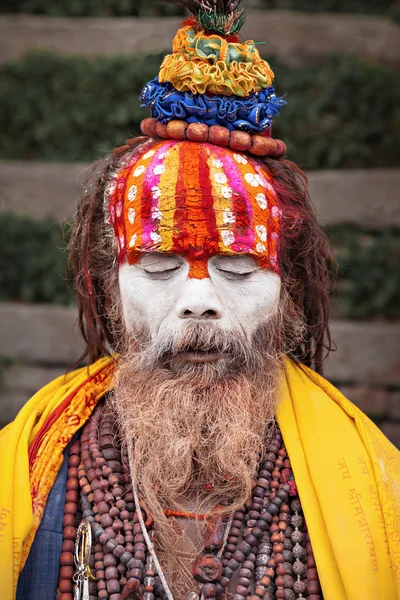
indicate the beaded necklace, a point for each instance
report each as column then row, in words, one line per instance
column 265, row 544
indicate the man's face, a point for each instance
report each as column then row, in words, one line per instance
column 160, row 297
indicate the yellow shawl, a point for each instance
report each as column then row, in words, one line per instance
column 346, row 471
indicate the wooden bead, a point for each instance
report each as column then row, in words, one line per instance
column 72, row 484
column 68, row 546
column 219, row 135
column 161, row 130
column 65, row 597
column 280, row 151
column 197, row 132
column 261, row 146
column 177, row 129
column 68, row 521
column 72, row 496
column 207, row 568
column 66, row 559
column 69, row 533
column 67, row 572
column 312, row 575
column 65, row 586
column 148, row 127
column 313, row 587
column 240, row 140
column 209, row 590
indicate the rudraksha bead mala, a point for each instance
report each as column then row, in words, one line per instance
column 267, row 544
column 240, row 141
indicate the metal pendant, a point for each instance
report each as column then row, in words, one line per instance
column 83, row 546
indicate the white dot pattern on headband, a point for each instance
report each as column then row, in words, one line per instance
column 162, row 155
column 156, row 192
column 118, row 209
column 261, row 232
column 220, row 178
column 159, row 169
column 131, row 215
column 260, row 248
column 228, row 216
column 226, row 192
column 261, row 180
column 275, row 211
column 132, row 193
column 155, row 237
column 138, row 171
column 240, row 159
column 228, row 237
column 148, row 154
column 251, row 179
column 132, row 241
column 156, row 213
column 217, row 163
column 122, row 242
column 262, row 201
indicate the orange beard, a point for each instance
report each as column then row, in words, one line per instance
column 192, row 425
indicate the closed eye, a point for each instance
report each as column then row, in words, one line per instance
column 234, row 274
column 162, row 274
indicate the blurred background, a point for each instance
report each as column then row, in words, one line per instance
column 70, row 75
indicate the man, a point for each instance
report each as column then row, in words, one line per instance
column 200, row 454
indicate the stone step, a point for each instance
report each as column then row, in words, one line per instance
column 294, row 37
column 367, row 352
column 368, row 198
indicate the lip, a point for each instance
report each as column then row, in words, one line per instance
column 198, row 357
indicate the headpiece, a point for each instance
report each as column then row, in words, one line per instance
column 198, row 191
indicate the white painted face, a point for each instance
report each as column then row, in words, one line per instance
column 158, row 294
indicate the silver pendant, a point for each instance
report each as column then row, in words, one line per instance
column 83, row 546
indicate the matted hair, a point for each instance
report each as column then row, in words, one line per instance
column 305, row 257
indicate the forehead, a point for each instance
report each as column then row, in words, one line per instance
column 194, row 200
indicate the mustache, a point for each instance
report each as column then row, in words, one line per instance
column 201, row 337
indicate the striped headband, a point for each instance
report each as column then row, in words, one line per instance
column 194, row 200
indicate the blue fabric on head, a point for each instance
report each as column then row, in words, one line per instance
column 39, row 577
column 253, row 114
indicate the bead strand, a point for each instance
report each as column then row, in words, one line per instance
column 69, row 523
column 240, row 141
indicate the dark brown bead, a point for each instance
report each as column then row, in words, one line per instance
column 313, row 587
column 66, row 572
column 209, row 590
column 68, row 546
column 69, row 521
column 65, row 586
column 65, row 597
column 72, row 484
column 69, row 533
column 312, row 575
column 113, row 586
column 66, row 559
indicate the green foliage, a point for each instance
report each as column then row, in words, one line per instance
column 345, row 113
column 369, row 275
column 33, row 260
column 70, row 109
column 92, row 8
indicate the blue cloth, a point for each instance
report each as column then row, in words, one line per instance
column 39, row 577
column 253, row 114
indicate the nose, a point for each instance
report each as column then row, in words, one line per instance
column 199, row 300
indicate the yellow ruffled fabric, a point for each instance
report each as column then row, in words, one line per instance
column 346, row 471
column 202, row 63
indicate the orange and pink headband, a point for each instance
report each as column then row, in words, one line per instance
column 195, row 200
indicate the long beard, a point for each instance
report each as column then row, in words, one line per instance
column 197, row 427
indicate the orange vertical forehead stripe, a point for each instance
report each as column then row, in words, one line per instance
column 196, row 200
